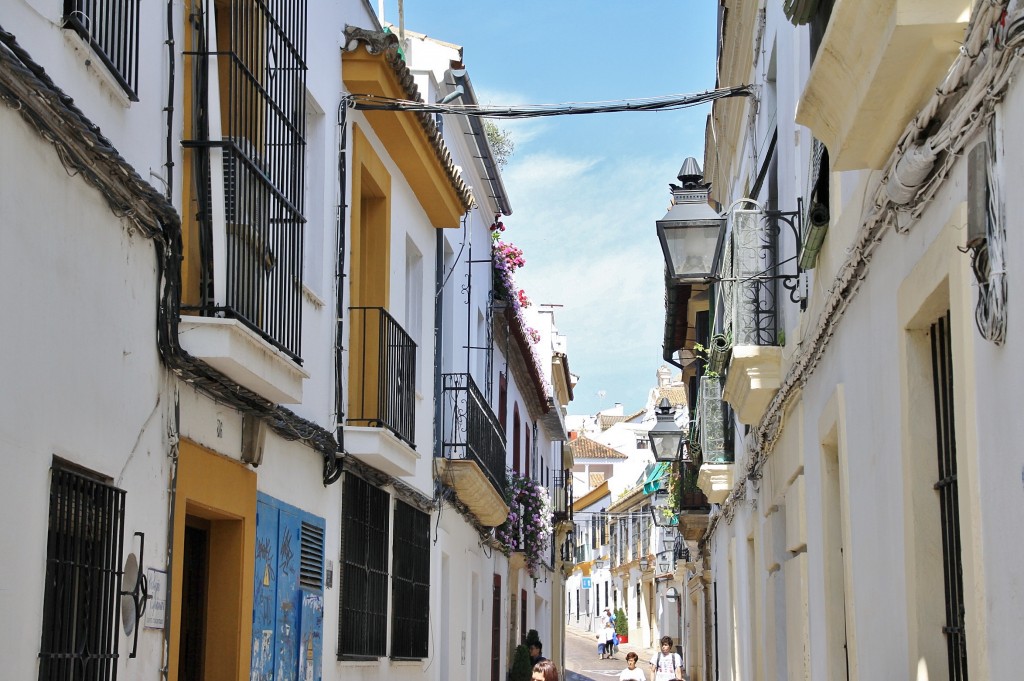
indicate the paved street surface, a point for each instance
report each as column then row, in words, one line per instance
column 583, row 664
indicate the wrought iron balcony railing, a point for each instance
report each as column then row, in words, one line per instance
column 246, row 160
column 471, row 430
column 691, row 497
column 752, row 275
column 383, row 373
column 563, row 499
column 112, row 31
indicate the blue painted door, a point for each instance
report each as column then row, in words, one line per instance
column 287, row 611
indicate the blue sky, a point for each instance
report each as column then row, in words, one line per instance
column 587, row 190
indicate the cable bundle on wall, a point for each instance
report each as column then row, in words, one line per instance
column 987, row 260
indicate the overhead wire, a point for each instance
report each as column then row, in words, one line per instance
column 663, row 103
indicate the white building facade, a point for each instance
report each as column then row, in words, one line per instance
column 230, row 415
column 861, row 512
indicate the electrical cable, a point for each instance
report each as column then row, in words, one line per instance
column 664, row 103
column 987, row 261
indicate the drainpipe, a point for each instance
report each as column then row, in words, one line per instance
column 332, row 471
column 438, row 337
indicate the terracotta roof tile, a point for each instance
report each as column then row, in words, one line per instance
column 676, row 395
column 585, row 448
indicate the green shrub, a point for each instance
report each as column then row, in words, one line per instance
column 621, row 624
column 521, row 670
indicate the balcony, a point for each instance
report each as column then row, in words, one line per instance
column 242, row 220
column 752, row 304
column 715, row 477
column 245, row 315
column 878, row 63
column 473, row 448
column 562, row 500
column 382, row 392
column 692, row 506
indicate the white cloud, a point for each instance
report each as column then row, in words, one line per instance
column 586, row 225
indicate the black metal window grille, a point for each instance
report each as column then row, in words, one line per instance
column 691, row 497
column 563, row 495
column 635, row 530
column 386, row 397
column 261, row 64
column 410, row 599
column 363, row 612
column 946, row 486
column 496, row 601
column 112, row 30
column 81, row 603
column 471, row 430
column 613, row 543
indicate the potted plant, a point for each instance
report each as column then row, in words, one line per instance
column 621, row 626
column 521, row 668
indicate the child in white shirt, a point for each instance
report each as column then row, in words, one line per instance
column 631, row 673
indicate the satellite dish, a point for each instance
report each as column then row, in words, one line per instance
column 129, row 579
column 134, row 594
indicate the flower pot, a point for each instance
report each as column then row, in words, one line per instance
column 623, row 638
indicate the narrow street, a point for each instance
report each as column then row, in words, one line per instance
column 582, row 662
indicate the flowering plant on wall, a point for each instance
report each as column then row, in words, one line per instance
column 528, row 527
column 507, row 258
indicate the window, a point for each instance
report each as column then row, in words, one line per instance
column 259, row 51
column 81, row 608
column 531, row 465
column 641, row 443
column 112, row 31
column 410, row 626
column 515, row 438
column 362, row 629
column 363, row 624
column 288, row 601
column 948, row 497
column 503, row 401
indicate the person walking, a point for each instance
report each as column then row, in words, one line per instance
column 667, row 664
column 608, row 636
column 631, row 673
column 536, row 652
column 545, row 670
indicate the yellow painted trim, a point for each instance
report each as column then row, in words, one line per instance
column 371, row 225
column 591, row 496
column 403, row 136
column 370, row 278
column 191, row 264
column 223, row 492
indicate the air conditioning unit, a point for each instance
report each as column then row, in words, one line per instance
column 250, row 257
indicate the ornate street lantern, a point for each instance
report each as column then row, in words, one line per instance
column 691, row 233
column 666, row 437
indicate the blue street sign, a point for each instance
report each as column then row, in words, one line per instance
column 586, row 582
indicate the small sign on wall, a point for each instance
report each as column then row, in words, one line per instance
column 586, row 582
column 156, row 609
